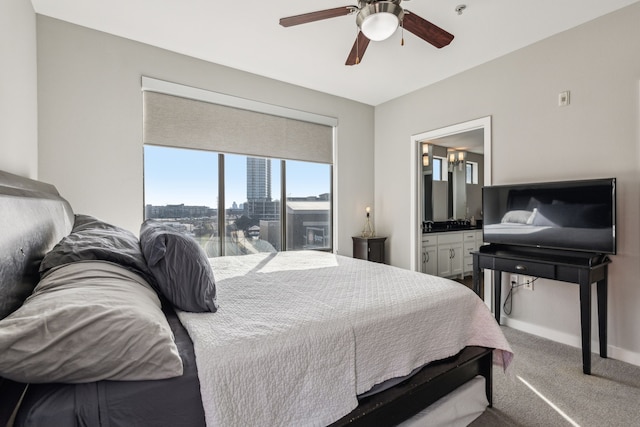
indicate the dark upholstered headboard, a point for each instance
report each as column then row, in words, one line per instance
column 33, row 218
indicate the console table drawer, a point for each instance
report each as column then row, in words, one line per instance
column 529, row 268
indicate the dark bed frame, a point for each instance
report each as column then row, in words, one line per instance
column 39, row 232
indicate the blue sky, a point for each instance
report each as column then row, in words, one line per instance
column 174, row 176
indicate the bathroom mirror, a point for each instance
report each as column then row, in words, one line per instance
column 453, row 176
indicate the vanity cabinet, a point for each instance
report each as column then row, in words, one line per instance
column 448, row 254
column 429, row 255
column 472, row 240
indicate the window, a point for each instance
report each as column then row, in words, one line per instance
column 439, row 174
column 265, row 196
column 182, row 188
column 252, row 200
column 308, row 187
column 471, row 174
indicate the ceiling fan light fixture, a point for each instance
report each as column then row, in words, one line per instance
column 378, row 21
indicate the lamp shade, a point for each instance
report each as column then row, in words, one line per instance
column 378, row 21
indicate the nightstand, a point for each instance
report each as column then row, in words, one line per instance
column 369, row 248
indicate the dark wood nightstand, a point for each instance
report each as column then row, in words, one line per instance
column 369, row 248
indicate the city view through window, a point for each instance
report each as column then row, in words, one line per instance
column 182, row 189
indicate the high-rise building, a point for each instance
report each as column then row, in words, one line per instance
column 259, row 204
column 258, row 179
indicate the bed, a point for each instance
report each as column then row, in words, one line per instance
column 305, row 338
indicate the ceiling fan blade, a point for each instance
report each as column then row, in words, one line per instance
column 426, row 30
column 316, row 16
column 358, row 49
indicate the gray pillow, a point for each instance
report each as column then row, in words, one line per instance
column 180, row 266
column 93, row 239
column 88, row 321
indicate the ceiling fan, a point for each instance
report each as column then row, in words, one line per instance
column 376, row 20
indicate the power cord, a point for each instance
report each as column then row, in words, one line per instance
column 508, row 301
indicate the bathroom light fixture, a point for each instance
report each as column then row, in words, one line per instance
column 378, row 21
column 425, row 155
column 456, row 158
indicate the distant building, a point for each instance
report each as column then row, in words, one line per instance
column 178, row 211
column 308, row 223
column 262, row 209
column 254, row 231
column 259, row 204
column 270, row 232
column 258, row 179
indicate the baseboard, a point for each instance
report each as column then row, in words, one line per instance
column 613, row 352
column 623, row 355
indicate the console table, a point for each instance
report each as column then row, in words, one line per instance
column 572, row 267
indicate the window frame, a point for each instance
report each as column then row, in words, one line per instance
column 471, row 172
column 442, row 162
column 221, row 205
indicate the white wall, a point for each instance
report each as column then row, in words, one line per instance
column 18, row 90
column 90, row 109
column 535, row 140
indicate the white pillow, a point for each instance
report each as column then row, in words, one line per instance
column 88, row 321
column 517, row 217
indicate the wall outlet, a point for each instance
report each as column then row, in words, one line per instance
column 524, row 282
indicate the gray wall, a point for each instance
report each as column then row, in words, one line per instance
column 90, row 109
column 18, row 90
column 535, row 140
column 474, row 191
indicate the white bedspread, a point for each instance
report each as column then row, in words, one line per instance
column 299, row 334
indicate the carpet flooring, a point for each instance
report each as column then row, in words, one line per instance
column 608, row 397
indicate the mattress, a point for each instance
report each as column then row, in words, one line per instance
column 457, row 409
column 368, row 322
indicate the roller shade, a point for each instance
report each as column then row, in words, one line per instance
column 176, row 121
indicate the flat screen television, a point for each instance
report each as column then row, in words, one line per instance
column 569, row 215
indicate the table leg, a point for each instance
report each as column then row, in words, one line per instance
column 497, row 291
column 585, row 325
column 602, row 314
column 476, row 276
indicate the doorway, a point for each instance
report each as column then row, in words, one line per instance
column 448, row 135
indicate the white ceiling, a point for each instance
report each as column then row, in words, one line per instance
column 246, row 35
